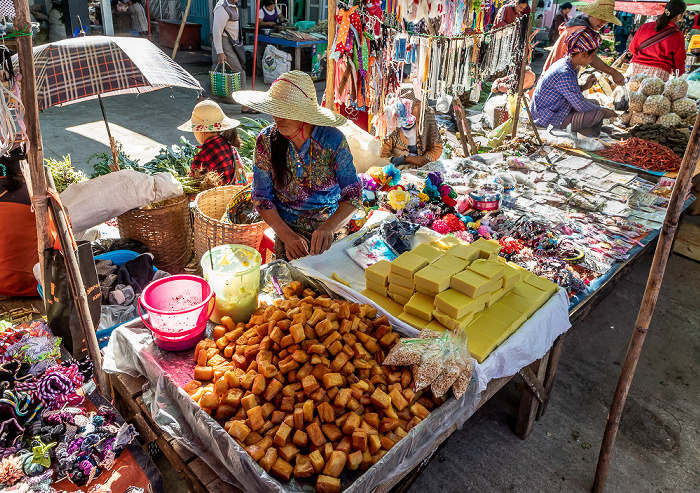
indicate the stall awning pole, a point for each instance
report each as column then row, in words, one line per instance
column 330, row 63
column 523, row 67
column 255, row 43
column 182, row 27
column 646, row 310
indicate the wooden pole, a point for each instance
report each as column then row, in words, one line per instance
column 646, row 310
column 330, row 63
column 255, row 42
column 79, row 296
column 523, row 67
column 112, row 142
column 182, row 27
column 465, row 133
column 35, row 154
column 148, row 17
column 532, row 122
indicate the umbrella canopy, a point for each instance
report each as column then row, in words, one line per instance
column 83, row 68
column 642, row 7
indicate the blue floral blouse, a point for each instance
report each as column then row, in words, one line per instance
column 322, row 176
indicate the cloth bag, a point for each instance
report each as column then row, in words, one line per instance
column 224, row 82
column 275, row 63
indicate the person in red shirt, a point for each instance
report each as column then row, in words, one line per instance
column 658, row 48
column 508, row 13
column 218, row 154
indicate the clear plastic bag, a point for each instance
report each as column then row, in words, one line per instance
column 684, row 107
column 652, row 86
column 637, row 101
column 676, row 89
column 635, row 81
column 669, row 120
column 638, row 118
column 657, row 105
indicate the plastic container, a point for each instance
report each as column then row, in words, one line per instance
column 178, row 309
column 235, row 277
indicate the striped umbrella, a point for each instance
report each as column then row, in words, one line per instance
column 90, row 67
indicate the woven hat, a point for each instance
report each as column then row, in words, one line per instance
column 292, row 96
column 582, row 40
column 602, row 9
column 208, row 116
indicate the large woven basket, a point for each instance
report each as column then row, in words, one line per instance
column 209, row 208
column 165, row 229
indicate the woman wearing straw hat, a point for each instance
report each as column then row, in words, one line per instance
column 305, row 185
column 209, row 123
column 658, row 48
column 597, row 16
column 558, row 100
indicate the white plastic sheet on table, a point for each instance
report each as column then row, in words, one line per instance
column 131, row 350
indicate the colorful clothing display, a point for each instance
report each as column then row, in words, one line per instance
column 557, row 93
column 220, row 156
column 322, row 175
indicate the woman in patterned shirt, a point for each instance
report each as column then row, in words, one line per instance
column 305, row 185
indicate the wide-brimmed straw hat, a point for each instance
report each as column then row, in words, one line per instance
column 602, row 9
column 208, row 116
column 292, row 96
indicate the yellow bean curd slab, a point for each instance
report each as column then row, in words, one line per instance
column 433, row 279
column 413, row 321
column 454, row 304
column 541, row 283
column 379, row 272
column 406, row 282
column 470, row 283
column 407, row 264
column 377, row 288
column 465, row 252
column 400, row 290
column 389, row 305
column 428, row 252
column 490, row 269
column 421, row 306
column 451, row 264
column 451, row 323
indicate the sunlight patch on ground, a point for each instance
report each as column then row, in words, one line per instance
column 138, row 146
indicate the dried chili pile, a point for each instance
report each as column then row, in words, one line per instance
column 644, row 154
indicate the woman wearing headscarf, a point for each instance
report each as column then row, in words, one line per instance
column 658, row 48
column 414, row 142
column 558, row 100
column 305, row 186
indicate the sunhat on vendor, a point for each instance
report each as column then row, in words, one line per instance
column 292, row 96
column 208, row 116
column 601, row 9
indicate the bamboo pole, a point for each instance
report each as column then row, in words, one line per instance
column 330, row 62
column 255, row 42
column 112, row 143
column 182, row 28
column 523, row 67
column 35, row 154
column 646, row 310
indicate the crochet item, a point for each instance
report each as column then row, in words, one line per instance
column 10, row 470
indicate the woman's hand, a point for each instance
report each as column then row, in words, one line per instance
column 417, row 160
column 221, row 57
column 295, row 246
column 608, row 113
column 321, row 240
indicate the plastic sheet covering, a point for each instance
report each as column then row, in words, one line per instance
column 131, row 350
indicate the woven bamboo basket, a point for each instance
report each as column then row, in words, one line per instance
column 209, row 208
column 165, row 229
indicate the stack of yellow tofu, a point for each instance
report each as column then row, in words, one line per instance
column 446, row 285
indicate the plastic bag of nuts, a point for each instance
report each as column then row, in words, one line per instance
column 635, row 81
column 404, row 353
column 657, row 105
column 651, row 86
column 637, row 101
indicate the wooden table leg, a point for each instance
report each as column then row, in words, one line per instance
column 528, row 401
column 548, row 383
column 297, row 58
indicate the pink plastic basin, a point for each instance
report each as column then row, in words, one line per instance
column 178, row 310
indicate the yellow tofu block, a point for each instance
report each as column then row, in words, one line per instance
column 436, row 326
column 503, row 313
column 428, row 252
column 451, row 264
column 407, row 264
column 377, row 288
column 450, row 322
column 519, row 304
column 487, row 245
column 421, row 289
column 387, row 304
column 481, row 346
column 413, row 321
column 378, row 273
column 454, row 303
column 490, row 269
column 495, row 296
column 490, row 327
column 470, row 283
column 400, row 290
column 421, row 306
column 432, row 279
column 511, row 277
column 402, row 300
column 541, row 283
column 446, row 242
column 536, row 296
column 406, row 282
column 466, row 252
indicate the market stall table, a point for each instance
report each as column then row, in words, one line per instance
column 297, row 45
